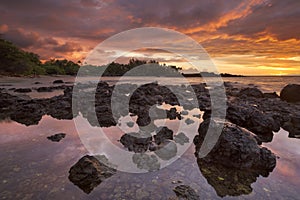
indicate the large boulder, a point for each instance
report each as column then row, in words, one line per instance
column 236, row 148
column 89, row 172
column 251, row 92
column 293, row 126
column 253, row 119
column 291, row 93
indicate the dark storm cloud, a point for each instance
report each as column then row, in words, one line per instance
column 55, row 27
column 99, row 19
column 177, row 13
column 67, row 47
column 20, row 38
column 57, row 18
column 277, row 18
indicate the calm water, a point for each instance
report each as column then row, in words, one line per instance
column 266, row 84
column 33, row 167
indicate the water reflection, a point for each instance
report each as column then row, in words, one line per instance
column 34, row 167
column 88, row 172
column 228, row 181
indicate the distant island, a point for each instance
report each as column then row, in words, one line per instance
column 211, row 74
column 17, row 62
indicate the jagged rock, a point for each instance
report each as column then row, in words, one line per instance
column 293, row 126
column 251, row 92
column 163, row 134
column 143, row 119
column 57, row 137
column 254, row 120
column 136, row 142
column 271, row 95
column 173, row 114
column 235, row 148
column 290, row 93
column 89, row 172
column 186, row 192
column 28, row 113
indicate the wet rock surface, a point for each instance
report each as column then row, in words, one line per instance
column 253, row 119
column 23, row 90
column 89, row 172
column 260, row 113
column 56, row 137
column 58, row 82
column 137, row 142
column 291, row 93
column 235, row 162
column 163, row 134
column 293, row 126
column 236, row 148
column 237, row 153
column 251, row 92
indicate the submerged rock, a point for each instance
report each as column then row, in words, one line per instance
column 181, row 138
column 290, row 93
column 57, row 137
column 236, row 148
column 166, row 150
column 89, row 172
column 186, row 192
column 147, row 162
column 189, row 121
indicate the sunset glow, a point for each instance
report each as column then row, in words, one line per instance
column 254, row 37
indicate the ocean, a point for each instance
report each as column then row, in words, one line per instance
column 32, row 167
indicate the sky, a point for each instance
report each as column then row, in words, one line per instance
column 249, row 37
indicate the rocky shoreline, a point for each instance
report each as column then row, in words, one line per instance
column 252, row 117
